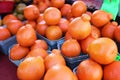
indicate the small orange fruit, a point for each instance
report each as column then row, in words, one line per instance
column 40, row 18
column 4, row 33
column 53, row 33
column 89, row 70
column 103, row 50
column 67, row 36
column 57, row 3
column 31, row 68
column 31, row 22
column 117, row 34
column 49, row 13
column 18, row 52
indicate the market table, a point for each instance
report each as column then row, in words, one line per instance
column 7, row 69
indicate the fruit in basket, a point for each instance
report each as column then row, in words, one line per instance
column 26, row 36
column 53, row 33
column 39, row 44
column 20, row 7
column 71, row 48
column 40, row 18
column 59, row 72
column 78, row 8
column 37, row 52
column 112, row 71
column 108, row 29
column 31, row 68
column 57, row 3
column 99, row 18
column 67, row 36
column 14, row 25
column 80, row 27
column 31, row 12
column 117, row 34
column 89, row 70
column 8, row 18
column 4, row 33
column 56, row 51
column 18, row 52
column 49, row 13
column 33, row 23
column 103, row 50
column 53, row 59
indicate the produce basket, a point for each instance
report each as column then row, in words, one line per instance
column 72, row 62
column 4, row 45
column 6, row 6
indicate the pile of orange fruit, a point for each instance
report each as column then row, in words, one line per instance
column 93, row 33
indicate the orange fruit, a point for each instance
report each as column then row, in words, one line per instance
column 31, row 12
column 31, row 68
column 14, row 25
column 112, row 71
column 108, row 29
column 41, row 27
column 96, row 33
column 89, row 70
column 98, row 20
column 40, row 18
column 76, row 30
column 117, row 34
column 53, row 59
column 49, row 13
column 59, row 72
column 57, row 3
column 4, row 33
column 42, row 6
column 53, row 33
column 37, row 52
column 56, row 51
column 18, row 52
column 65, row 9
column 67, row 36
column 39, row 44
column 71, row 48
column 8, row 18
column 78, row 8
column 103, row 50
column 31, row 22
column 26, row 36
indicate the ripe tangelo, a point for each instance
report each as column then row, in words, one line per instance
column 59, row 72
column 18, row 52
column 4, row 33
column 78, row 8
column 53, row 59
column 31, row 68
column 71, row 48
column 112, row 71
column 39, row 44
column 31, row 12
column 52, row 16
column 37, row 52
column 80, row 27
column 14, row 25
column 57, row 3
column 89, row 70
column 26, row 36
column 103, row 50
column 31, row 22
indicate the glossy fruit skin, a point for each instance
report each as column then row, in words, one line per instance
column 99, row 18
column 117, row 34
column 31, row 69
column 37, row 52
column 14, row 25
column 112, row 71
column 67, row 36
column 53, row 33
column 39, row 44
column 71, row 48
column 53, row 59
column 18, row 52
column 78, row 8
column 5, row 34
column 31, row 12
column 80, row 27
column 57, row 3
column 26, row 36
column 103, row 50
column 33, row 23
column 89, row 70
column 59, row 72
column 49, row 13
column 108, row 29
